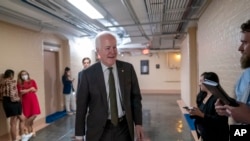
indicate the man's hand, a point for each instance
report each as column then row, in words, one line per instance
column 220, row 108
column 139, row 133
column 240, row 114
column 78, row 138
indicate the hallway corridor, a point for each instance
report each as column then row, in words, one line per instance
column 163, row 121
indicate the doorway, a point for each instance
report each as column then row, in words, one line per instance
column 51, row 82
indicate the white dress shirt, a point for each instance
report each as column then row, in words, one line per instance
column 117, row 86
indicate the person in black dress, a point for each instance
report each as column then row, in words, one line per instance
column 209, row 125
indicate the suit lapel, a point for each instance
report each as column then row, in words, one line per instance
column 121, row 72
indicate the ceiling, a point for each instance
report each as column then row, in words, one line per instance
column 154, row 24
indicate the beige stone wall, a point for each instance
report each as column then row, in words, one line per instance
column 189, row 77
column 23, row 49
column 160, row 80
column 218, row 39
column 185, row 71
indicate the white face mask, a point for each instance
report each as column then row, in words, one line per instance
column 25, row 77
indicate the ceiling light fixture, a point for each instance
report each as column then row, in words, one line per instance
column 145, row 51
column 86, row 8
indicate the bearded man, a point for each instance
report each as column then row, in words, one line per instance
column 240, row 114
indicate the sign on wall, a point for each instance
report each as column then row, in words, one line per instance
column 144, row 67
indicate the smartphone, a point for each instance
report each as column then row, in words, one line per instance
column 188, row 108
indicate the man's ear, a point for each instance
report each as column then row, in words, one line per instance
column 97, row 51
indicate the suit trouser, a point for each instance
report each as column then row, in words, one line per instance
column 116, row 133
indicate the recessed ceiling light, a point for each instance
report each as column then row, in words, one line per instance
column 86, row 8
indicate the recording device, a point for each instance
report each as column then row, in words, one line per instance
column 187, row 108
column 219, row 92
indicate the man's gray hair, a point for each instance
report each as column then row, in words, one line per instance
column 100, row 34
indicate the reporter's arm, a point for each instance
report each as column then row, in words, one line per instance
column 240, row 114
column 220, row 108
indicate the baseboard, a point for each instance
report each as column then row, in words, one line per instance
column 55, row 116
column 40, row 124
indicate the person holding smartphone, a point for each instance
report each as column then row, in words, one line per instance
column 209, row 125
column 69, row 92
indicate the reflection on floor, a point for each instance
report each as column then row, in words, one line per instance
column 163, row 121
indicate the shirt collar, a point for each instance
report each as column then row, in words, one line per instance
column 104, row 67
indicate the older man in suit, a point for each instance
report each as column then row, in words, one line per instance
column 110, row 93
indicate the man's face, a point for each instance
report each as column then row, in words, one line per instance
column 86, row 63
column 245, row 50
column 107, row 50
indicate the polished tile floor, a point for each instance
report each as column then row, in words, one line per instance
column 162, row 121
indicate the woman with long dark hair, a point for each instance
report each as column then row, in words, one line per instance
column 209, row 125
column 12, row 105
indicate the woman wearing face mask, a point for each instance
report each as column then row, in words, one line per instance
column 12, row 105
column 27, row 88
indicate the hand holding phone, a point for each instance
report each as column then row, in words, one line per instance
column 188, row 108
